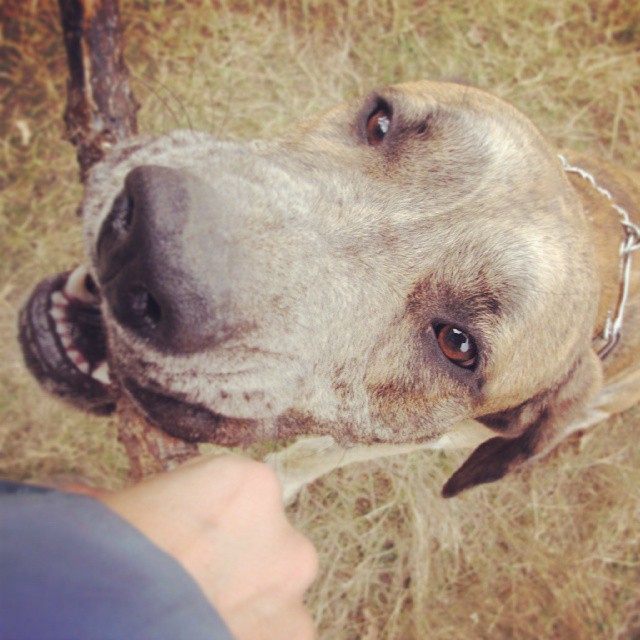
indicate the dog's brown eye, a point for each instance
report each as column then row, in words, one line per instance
column 377, row 126
column 457, row 345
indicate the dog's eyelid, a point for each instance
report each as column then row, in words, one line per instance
column 377, row 102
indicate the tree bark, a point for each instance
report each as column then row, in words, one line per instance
column 101, row 109
column 149, row 450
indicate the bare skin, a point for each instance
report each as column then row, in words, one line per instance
column 223, row 519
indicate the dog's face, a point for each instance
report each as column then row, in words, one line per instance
column 379, row 273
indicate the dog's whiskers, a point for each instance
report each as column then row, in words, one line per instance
column 166, row 103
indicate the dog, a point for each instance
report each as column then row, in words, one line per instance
column 414, row 268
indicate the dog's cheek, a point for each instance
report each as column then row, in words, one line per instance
column 402, row 415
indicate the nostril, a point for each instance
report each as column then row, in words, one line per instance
column 114, row 245
column 144, row 310
column 90, row 285
column 121, row 216
column 117, row 225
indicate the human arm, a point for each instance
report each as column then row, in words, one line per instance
column 157, row 561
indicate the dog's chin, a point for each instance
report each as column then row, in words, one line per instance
column 63, row 342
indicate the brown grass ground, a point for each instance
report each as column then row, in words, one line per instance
column 551, row 553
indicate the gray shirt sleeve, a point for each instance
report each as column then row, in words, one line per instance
column 70, row 568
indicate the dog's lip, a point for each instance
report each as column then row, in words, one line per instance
column 52, row 330
column 185, row 420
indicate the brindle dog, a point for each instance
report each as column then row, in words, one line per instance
column 415, row 268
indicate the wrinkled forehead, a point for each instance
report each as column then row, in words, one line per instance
column 429, row 95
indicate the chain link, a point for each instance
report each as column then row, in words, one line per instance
column 631, row 242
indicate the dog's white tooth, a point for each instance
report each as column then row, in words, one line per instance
column 101, row 373
column 58, row 299
column 57, row 314
column 62, row 328
column 75, row 356
column 84, row 367
column 76, row 285
column 66, row 340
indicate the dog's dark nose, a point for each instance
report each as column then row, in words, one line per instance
column 160, row 218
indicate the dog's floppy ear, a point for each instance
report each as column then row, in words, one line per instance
column 530, row 429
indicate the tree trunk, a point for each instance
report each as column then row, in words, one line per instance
column 101, row 109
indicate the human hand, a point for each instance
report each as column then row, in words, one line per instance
column 224, row 521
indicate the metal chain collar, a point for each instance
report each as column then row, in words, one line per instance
column 613, row 327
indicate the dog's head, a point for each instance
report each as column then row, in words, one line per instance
column 382, row 271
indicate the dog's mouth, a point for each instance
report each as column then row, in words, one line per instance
column 64, row 342
column 64, row 345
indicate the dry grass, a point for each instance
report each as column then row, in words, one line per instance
column 551, row 553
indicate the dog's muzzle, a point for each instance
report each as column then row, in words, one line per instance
column 64, row 346
column 161, row 216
